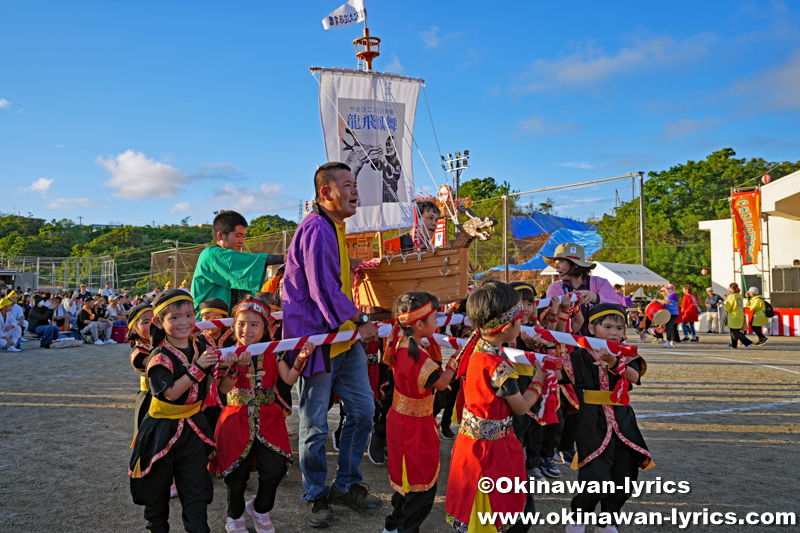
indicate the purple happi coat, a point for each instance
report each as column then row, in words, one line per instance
column 313, row 301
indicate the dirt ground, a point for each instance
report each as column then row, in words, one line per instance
column 728, row 422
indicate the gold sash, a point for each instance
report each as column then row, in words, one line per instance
column 160, row 409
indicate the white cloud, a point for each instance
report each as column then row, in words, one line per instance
column 589, row 64
column 60, row 145
column 394, row 65
column 539, row 126
column 41, row 185
column 68, row 203
column 432, row 39
column 180, row 207
column 4, row 104
column 135, row 176
column 266, row 198
column 686, row 126
column 774, row 89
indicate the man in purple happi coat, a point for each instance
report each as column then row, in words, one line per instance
column 317, row 298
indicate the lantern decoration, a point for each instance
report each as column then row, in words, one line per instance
column 704, row 272
column 766, row 179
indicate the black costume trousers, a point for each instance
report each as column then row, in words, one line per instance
column 446, row 402
column 410, row 510
column 382, row 406
column 737, row 335
column 624, row 464
column 271, row 468
column 187, row 463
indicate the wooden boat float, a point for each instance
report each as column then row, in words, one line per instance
column 443, row 273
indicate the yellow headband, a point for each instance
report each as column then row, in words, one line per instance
column 174, row 299
column 213, row 310
column 604, row 313
column 138, row 315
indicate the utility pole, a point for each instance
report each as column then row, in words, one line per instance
column 174, row 264
column 80, row 221
column 505, row 235
column 641, row 218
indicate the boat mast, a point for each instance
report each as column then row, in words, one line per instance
column 367, row 49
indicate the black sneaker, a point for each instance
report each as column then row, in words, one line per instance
column 549, row 468
column 447, row 433
column 762, row 342
column 357, row 498
column 335, row 437
column 375, row 449
column 319, row 513
column 567, row 455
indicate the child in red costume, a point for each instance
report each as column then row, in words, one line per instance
column 486, row 445
column 251, row 430
column 411, row 429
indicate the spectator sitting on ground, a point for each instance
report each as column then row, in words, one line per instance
column 115, row 311
column 19, row 311
column 39, row 321
column 61, row 316
column 90, row 323
column 10, row 332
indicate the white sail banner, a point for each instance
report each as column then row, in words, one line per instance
column 347, row 14
column 368, row 124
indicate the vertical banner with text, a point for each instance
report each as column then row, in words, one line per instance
column 368, row 123
column 746, row 208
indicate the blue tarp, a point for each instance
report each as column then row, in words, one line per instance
column 539, row 224
column 590, row 241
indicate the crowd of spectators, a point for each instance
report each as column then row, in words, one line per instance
column 46, row 315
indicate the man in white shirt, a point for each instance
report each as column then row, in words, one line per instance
column 17, row 314
column 108, row 292
column 10, row 332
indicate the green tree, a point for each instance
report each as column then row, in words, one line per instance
column 675, row 201
column 266, row 224
column 483, row 188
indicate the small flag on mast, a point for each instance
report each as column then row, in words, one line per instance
column 348, row 14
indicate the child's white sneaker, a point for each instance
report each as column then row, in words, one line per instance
column 606, row 529
column 262, row 521
column 98, row 342
column 13, row 349
column 111, row 341
column 576, row 528
column 236, row 525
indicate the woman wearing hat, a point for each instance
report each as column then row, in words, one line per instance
column 759, row 309
column 575, row 275
column 734, row 306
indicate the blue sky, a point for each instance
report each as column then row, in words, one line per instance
column 146, row 111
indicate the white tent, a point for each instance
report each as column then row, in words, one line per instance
column 631, row 277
